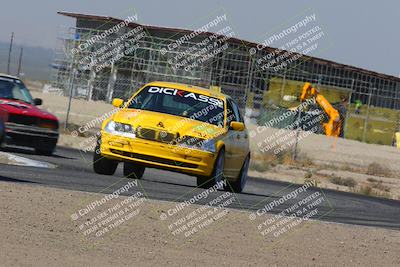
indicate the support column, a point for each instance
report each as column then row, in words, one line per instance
column 111, row 83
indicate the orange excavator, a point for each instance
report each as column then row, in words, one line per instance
column 334, row 125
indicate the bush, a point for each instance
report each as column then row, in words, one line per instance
column 259, row 166
column 368, row 191
column 380, row 186
column 377, row 169
column 343, row 181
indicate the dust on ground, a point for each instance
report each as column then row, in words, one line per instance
column 37, row 230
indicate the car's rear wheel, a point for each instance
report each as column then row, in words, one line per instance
column 102, row 165
column 132, row 170
column 238, row 185
column 216, row 176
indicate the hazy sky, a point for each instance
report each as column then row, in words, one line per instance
column 361, row 33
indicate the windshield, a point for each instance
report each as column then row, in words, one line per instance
column 14, row 89
column 180, row 103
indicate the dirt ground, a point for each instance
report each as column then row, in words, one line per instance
column 37, row 230
column 81, row 112
column 371, row 169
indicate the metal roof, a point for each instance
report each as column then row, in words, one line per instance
column 231, row 40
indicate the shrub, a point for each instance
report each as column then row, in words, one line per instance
column 377, row 169
column 380, row 186
column 343, row 181
column 259, row 166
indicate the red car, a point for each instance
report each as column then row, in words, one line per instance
column 24, row 123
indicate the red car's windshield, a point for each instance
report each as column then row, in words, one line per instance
column 14, row 89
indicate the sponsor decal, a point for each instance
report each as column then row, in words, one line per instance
column 185, row 94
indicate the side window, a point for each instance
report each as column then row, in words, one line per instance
column 237, row 112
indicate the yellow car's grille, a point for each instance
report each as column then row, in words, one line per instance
column 146, row 133
column 155, row 135
column 166, row 137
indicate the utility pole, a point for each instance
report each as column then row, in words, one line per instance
column 9, row 53
column 20, row 61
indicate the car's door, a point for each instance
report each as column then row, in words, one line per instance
column 241, row 136
column 232, row 146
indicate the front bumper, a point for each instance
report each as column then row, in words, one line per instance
column 30, row 136
column 157, row 154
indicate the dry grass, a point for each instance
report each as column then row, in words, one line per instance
column 265, row 161
column 378, row 169
column 365, row 190
column 350, row 182
column 308, row 174
column 285, row 158
column 259, row 166
column 378, row 184
column 369, row 191
column 262, row 162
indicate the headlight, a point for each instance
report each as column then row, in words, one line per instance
column 208, row 145
column 121, row 129
column 197, row 143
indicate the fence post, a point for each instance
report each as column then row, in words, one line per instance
column 346, row 119
column 283, row 85
column 294, row 157
column 367, row 116
column 71, row 84
column 111, row 83
column 71, row 91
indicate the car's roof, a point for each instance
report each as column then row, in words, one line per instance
column 9, row 76
column 190, row 88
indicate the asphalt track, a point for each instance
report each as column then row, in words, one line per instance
column 74, row 172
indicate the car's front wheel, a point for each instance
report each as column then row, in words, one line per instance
column 132, row 170
column 46, row 148
column 238, row 185
column 216, row 176
column 102, row 165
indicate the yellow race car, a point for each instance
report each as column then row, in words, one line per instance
column 176, row 127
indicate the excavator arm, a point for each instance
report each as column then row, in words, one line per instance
column 334, row 125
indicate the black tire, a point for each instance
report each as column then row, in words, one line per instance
column 238, row 185
column 45, row 151
column 102, row 165
column 217, row 174
column 133, row 170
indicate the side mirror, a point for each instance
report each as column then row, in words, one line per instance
column 117, row 102
column 237, row 126
column 37, row 101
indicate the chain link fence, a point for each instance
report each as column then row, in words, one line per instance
column 371, row 113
